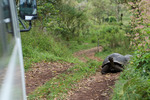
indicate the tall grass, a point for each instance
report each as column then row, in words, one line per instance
column 112, row 37
column 39, row 46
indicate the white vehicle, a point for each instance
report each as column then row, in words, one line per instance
column 12, row 79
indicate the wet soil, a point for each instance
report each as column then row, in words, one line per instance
column 96, row 87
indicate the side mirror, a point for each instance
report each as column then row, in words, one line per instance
column 28, row 9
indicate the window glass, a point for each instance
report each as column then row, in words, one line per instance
column 6, row 37
column 7, row 29
column 7, row 40
column 28, row 8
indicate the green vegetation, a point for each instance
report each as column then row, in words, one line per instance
column 42, row 47
column 66, row 26
column 134, row 82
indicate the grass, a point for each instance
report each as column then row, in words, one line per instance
column 76, row 47
column 38, row 46
column 106, row 52
column 82, row 44
column 103, row 55
column 60, row 85
column 43, row 47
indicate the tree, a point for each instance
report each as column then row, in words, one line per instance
column 101, row 9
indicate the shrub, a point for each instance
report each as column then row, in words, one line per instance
column 38, row 46
column 112, row 19
column 134, row 82
column 113, row 37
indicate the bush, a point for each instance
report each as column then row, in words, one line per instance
column 93, row 40
column 134, row 82
column 112, row 19
column 38, row 46
column 113, row 37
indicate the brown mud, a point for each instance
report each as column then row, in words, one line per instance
column 43, row 72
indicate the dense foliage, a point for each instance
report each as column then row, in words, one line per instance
column 43, row 47
column 65, row 26
column 134, row 83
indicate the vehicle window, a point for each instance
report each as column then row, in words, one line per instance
column 7, row 39
column 6, row 33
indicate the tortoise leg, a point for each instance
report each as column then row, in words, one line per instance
column 118, row 68
column 105, row 69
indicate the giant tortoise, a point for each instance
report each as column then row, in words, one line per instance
column 114, row 63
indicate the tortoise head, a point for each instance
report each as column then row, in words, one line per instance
column 127, row 58
column 110, row 59
column 111, row 62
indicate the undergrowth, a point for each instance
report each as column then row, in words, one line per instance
column 39, row 46
column 134, row 82
column 42, row 46
column 112, row 37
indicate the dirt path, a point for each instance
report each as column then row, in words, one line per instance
column 83, row 54
column 42, row 72
column 97, row 87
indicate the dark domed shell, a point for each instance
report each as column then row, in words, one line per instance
column 118, row 58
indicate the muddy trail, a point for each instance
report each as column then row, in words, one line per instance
column 96, row 87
